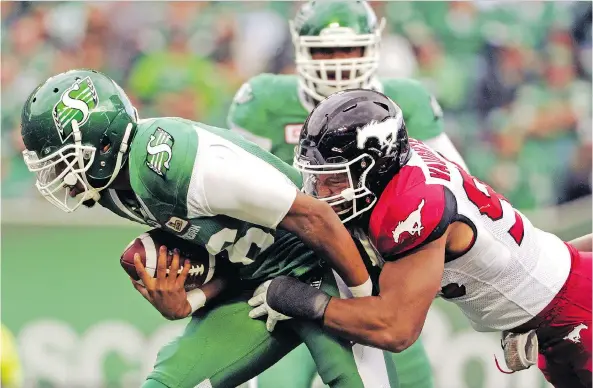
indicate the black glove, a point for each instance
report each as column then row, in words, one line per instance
column 296, row 299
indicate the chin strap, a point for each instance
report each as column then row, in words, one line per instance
column 123, row 148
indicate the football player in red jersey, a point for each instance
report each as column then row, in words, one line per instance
column 436, row 231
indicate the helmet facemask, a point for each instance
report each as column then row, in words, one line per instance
column 340, row 183
column 65, row 170
column 321, row 77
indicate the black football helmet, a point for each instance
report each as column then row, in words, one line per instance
column 350, row 147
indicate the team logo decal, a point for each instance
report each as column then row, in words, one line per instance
column 383, row 131
column 177, row 224
column 244, row 94
column 292, row 133
column 301, row 17
column 76, row 103
column 412, row 224
column 575, row 334
column 159, row 152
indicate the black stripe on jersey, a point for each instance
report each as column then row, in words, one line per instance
column 450, row 256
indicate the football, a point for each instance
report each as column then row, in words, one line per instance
column 147, row 245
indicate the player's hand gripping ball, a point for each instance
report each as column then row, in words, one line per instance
column 147, row 245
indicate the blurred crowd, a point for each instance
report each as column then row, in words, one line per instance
column 513, row 78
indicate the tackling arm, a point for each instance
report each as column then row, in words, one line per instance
column 391, row 321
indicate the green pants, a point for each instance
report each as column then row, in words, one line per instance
column 297, row 369
column 223, row 347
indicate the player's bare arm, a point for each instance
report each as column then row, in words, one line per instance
column 316, row 223
column 394, row 319
column 583, row 243
column 391, row 321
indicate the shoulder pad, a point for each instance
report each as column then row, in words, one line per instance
column 257, row 88
column 161, row 162
column 403, row 222
column 406, row 92
column 408, row 85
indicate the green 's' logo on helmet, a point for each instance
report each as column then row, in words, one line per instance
column 76, row 103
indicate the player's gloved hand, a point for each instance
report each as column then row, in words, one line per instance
column 288, row 296
column 166, row 292
column 261, row 308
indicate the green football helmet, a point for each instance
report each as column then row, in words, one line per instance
column 334, row 24
column 76, row 127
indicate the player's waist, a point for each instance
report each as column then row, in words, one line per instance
column 552, row 309
column 520, row 292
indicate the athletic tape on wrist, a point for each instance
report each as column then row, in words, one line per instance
column 365, row 289
column 196, row 299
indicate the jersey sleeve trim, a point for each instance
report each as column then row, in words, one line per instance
column 450, row 256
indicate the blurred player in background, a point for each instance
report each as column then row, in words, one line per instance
column 227, row 196
column 337, row 48
column 10, row 365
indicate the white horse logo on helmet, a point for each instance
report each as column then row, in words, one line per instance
column 383, row 131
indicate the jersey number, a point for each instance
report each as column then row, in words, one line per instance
column 239, row 250
column 488, row 203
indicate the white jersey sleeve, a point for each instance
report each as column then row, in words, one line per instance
column 228, row 180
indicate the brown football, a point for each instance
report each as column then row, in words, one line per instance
column 147, row 246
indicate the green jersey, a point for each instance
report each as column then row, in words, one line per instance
column 212, row 187
column 270, row 110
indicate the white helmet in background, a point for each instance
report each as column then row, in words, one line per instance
column 337, row 46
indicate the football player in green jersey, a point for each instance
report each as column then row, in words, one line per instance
column 210, row 186
column 336, row 48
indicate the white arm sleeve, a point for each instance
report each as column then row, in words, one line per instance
column 443, row 144
column 227, row 180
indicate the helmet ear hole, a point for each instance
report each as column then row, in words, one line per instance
column 105, row 145
column 384, row 106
